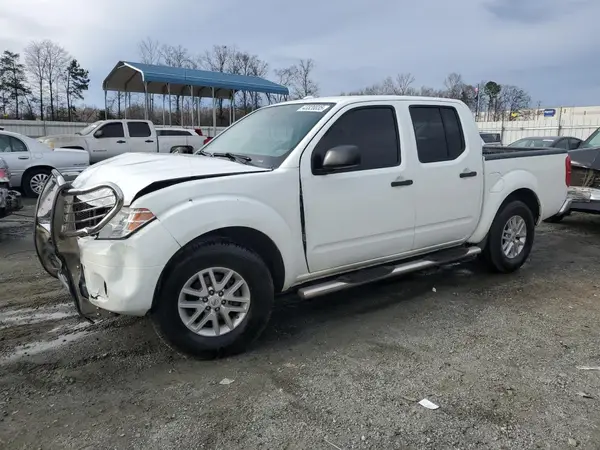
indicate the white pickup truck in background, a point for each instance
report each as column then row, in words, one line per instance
column 107, row 138
column 313, row 196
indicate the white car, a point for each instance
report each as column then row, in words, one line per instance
column 179, row 139
column 30, row 162
column 313, row 196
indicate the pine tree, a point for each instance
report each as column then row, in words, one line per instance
column 13, row 81
column 77, row 80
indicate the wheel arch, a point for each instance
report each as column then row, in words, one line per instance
column 250, row 238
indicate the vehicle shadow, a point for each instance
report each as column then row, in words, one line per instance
column 295, row 319
column 580, row 222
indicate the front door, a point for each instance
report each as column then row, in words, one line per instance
column 108, row 141
column 363, row 213
column 449, row 174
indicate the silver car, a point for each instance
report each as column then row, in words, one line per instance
column 30, row 161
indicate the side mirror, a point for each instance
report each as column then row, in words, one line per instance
column 340, row 158
column 98, row 134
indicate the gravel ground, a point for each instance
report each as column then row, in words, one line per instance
column 500, row 355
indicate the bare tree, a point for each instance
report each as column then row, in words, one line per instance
column 56, row 58
column 35, row 64
column 303, row 84
column 454, row 85
column 512, row 100
column 149, row 51
column 404, row 83
column 219, row 59
column 284, row 77
column 176, row 56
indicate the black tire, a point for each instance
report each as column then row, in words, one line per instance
column 27, row 179
column 248, row 265
column 492, row 253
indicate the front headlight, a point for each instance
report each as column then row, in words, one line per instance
column 126, row 222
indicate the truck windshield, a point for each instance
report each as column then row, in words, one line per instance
column 592, row 141
column 90, row 128
column 268, row 135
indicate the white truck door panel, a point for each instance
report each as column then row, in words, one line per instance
column 108, row 141
column 364, row 213
column 449, row 176
column 17, row 156
column 141, row 138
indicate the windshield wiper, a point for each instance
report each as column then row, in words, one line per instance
column 203, row 153
column 232, row 156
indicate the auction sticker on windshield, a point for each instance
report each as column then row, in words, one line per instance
column 314, row 108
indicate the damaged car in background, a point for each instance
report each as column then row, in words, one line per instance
column 584, row 190
column 10, row 200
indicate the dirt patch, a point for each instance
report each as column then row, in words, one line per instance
column 499, row 354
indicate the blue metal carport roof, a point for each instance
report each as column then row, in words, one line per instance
column 130, row 77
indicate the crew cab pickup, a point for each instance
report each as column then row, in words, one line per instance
column 312, row 196
column 107, row 138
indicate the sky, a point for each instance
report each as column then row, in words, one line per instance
column 551, row 48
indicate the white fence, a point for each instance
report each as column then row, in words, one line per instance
column 37, row 128
column 577, row 126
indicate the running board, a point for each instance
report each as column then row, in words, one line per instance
column 387, row 271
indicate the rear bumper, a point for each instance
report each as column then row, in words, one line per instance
column 584, row 199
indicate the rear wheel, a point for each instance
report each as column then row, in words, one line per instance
column 33, row 182
column 510, row 238
column 216, row 300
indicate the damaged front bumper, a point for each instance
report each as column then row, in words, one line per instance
column 61, row 217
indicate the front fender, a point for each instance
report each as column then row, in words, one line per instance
column 197, row 217
column 500, row 187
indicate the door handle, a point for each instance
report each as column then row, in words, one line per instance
column 149, row 140
column 121, row 142
column 23, row 157
column 402, row 183
column 468, row 174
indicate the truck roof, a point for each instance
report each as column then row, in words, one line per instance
column 348, row 99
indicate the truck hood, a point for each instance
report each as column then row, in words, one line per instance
column 59, row 140
column 133, row 172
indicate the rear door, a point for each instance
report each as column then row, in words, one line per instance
column 141, row 137
column 448, row 176
column 107, row 141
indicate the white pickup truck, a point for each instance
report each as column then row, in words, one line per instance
column 107, row 138
column 312, row 196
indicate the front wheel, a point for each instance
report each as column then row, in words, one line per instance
column 216, row 300
column 34, row 181
column 510, row 238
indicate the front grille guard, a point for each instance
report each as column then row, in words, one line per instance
column 57, row 248
column 104, row 213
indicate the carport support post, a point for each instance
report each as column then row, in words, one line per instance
column 146, row 102
column 192, row 105
column 214, row 105
column 232, row 107
column 199, row 108
column 169, row 91
column 163, row 122
column 105, row 105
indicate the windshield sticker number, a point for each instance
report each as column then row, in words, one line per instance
column 314, row 108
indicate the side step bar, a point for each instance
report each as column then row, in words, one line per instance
column 387, row 271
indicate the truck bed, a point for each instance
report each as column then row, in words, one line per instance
column 491, row 153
